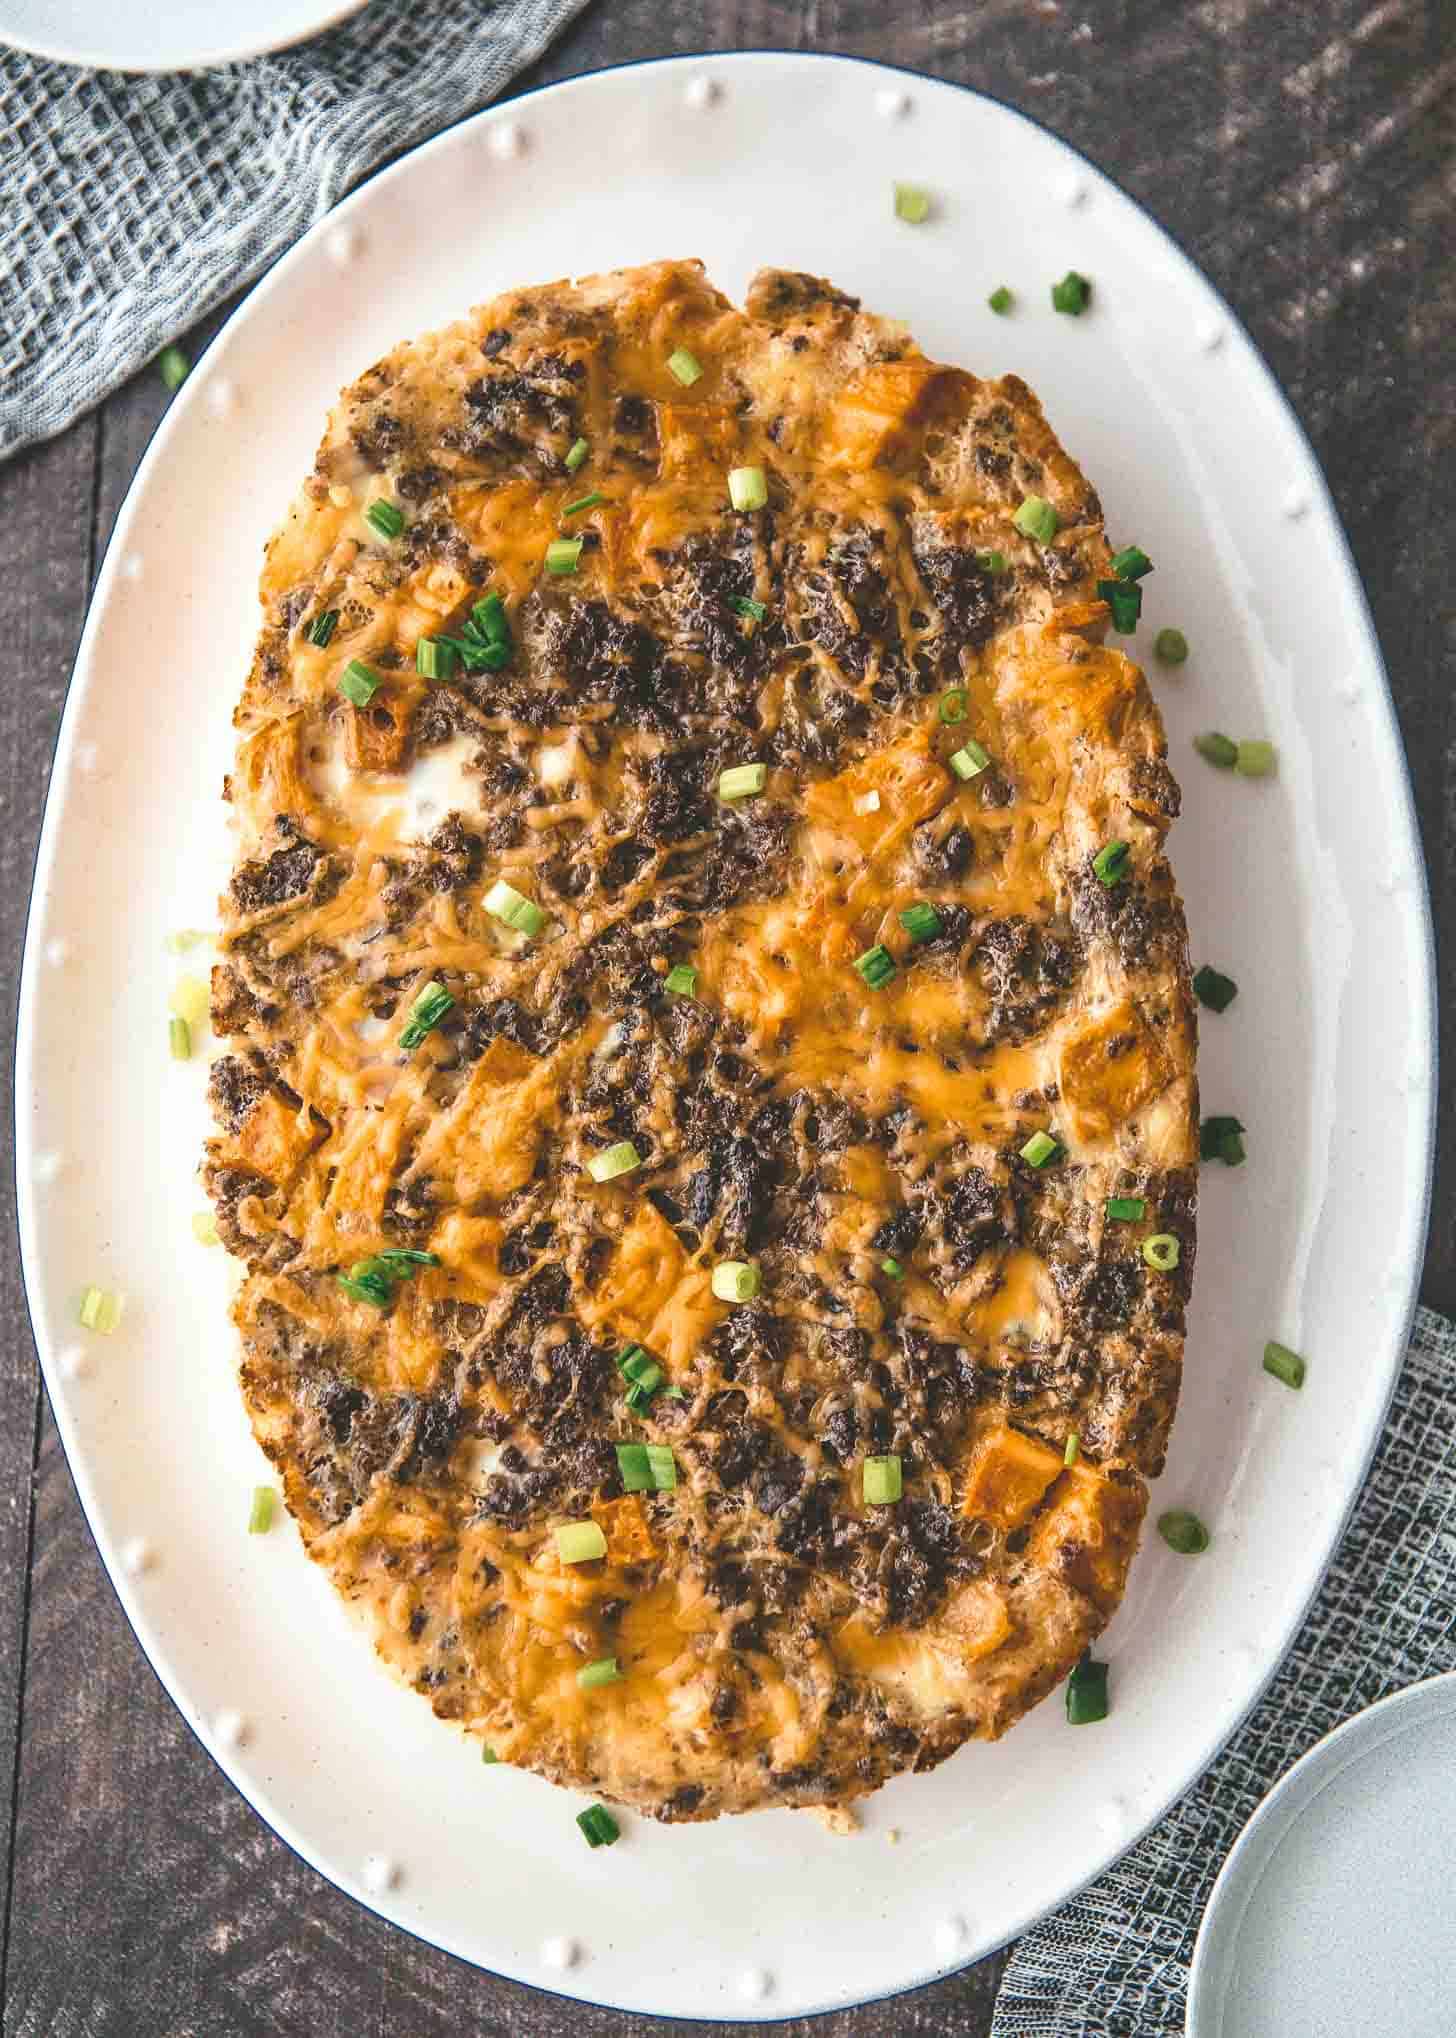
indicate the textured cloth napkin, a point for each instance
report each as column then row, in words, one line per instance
column 1114, row 1962
column 129, row 206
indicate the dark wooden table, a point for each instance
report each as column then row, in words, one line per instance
column 1304, row 151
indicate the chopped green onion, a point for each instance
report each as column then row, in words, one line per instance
column 634, row 1365
column 1284, row 1364
column 638, row 1398
column 179, row 1035
column 100, row 1310
column 1037, row 519
column 953, row 705
column 1111, row 863
column 1001, row 300
column 743, row 605
column 1162, row 1252
column 920, row 921
column 204, row 1228
column 635, row 1471
column 893, row 1268
column 366, row 1282
column 1183, row 1532
column 189, row 999
column 685, row 366
column 599, row 1827
column 480, row 657
column 436, row 657
column 489, row 618
column 503, row 902
column 576, row 455
column 260, row 1519
column 604, row 1671
column 1213, row 989
column 174, row 367
column 580, row 1542
column 876, row 966
column 664, row 1467
column 1087, row 1694
column 385, row 517
column 883, row 1481
column 912, row 204
column 747, row 488
column 616, row 1160
column 736, row 1281
column 322, row 628
column 584, row 502
column 183, row 939
column 1131, row 563
column 1217, row 749
column 992, row 562
column 487, row 1753
column 970, row 760
column 1221, row 1139
column 1073, row 1450
column 563, row 555
column 740, row 781
column 682, row 980
column 431, row 1004
column 1255, row 759
column 1072, row 294
column 401, row 1260
column 360, row 683
column 1126, row 1209
column 1170, row 647
column 1039, row 1149
column 1125, row 599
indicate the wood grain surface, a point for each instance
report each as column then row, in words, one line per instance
column 1304, row 152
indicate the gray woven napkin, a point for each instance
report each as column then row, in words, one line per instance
column 129, row 206
column 1114, row 1962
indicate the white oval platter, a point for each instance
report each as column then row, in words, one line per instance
column 164, row 35
column 1307, row 888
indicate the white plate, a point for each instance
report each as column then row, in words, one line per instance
column 1333, row 1912
column 164, row 35
column 1307, row 888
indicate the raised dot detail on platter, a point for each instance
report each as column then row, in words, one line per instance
column 1111, row 1817
column 703, row 93
column 754, row 1984
column 1296, row 503
column 561, row 1953
column 1210, row 334
column 1072, row 189
column 222, row 398
column 950, row 1937
column 137, row 1556
column 1349, row 691
column 507, row 141
column 230, row 1730
column 47, row 1166
column 74, row 1362
column 1393, row 879
column 58, row 953
column 131, row 566
column 380, row 1873
column 88, row 759
column 892, row 104
column 343, row 245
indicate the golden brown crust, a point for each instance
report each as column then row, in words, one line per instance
column 782, row 1642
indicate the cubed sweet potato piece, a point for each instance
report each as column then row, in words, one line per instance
column 375, row 737
column 1088, row 1533
column 624, row 1525
column 1009, row 1474
column 270, row 1140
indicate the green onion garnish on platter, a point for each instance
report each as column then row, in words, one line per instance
column 883, row 1481
column 613, row 1161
